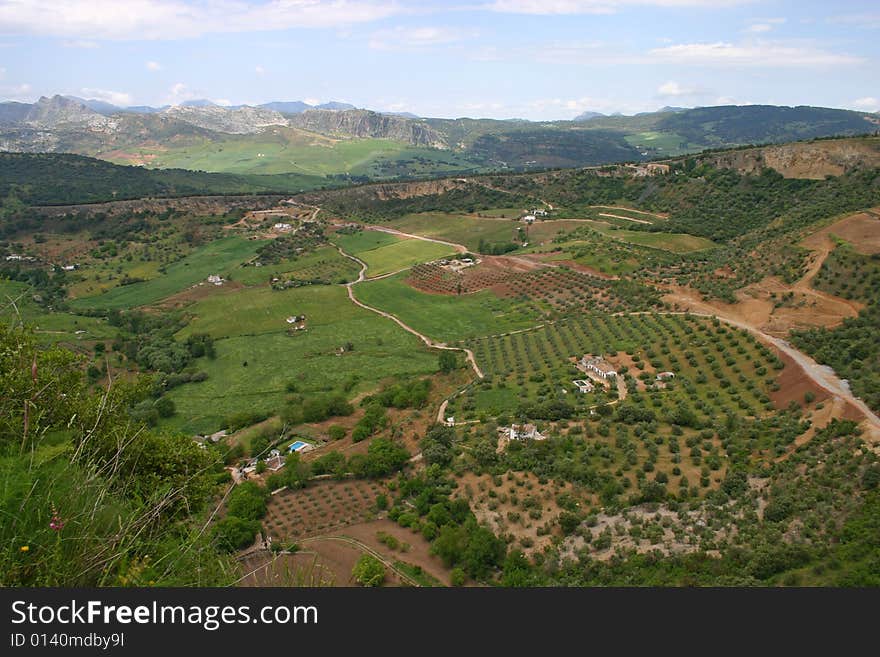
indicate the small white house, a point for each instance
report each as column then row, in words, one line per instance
column 529, row 219
column 524, row 432
column 275, row 461
column 665, row 376
column 282, row 226
column 216, row 279
column 583, row 385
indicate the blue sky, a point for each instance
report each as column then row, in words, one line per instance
column 534, row 59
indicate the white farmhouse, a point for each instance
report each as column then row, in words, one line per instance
column 598, row 366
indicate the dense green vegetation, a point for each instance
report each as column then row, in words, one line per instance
column 635, row 483
column 60, row 178
column 89, row 497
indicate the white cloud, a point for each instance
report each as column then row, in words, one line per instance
column 762, row 54
column 563, row 7
column 763, row 25
column 312, row 101
column 113, row 97
column 225, row 102
column 153, row 66
column 259, row 70
column 119, row 98
column 175, row 19
column 80, row 43
column 868, row 104
column 179, row 92
column 17, row 92
column 571, row 107
column 673, row 89
column 403, row 38
column 869, row 21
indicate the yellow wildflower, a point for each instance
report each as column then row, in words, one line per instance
column 25, row 548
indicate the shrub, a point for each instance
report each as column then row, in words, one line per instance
column 234, row 533
column 247, row 501
column 369, row 571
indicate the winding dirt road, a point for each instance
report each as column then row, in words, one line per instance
column 821, row 375
column 406, row 327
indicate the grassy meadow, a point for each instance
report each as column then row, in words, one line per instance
column 218, row 257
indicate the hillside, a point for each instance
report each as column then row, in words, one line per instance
column 331, row 319
column 57, row 178
column 335, row 139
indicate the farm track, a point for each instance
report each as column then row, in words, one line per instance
column 365, row 548
column 821, row 375
column 424, row 338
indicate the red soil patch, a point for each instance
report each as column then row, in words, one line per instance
column 862, row 230
column 794, row 384
column 320, row 562
column 415, row 549
column 433, row 278
column 321, row 508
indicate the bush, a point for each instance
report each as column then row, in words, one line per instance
column 369, row 571
column 337, row 432
column 457, row 577
column 247, row 501
column 234, row 533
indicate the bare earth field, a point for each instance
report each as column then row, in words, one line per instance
column 329, row 559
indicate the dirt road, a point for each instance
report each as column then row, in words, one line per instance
column 424, row 338
column 823, row 376
column 365, row 548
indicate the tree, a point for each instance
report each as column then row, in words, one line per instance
column 234, row 533
column 368, row 571
column 165, row 407
column 247, row 501
column 448, row 361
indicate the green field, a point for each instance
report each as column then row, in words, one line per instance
column 402, row 254
column 365, row 240
column 250, row 325
column 17, row 306
column 218, row 257
column 279, row 150
column 282, row 150
column 666, row 143
column 441, row 317
column 458, row 228
column 675, row 242
column 385, row 253
column 257, row 311
column 325, row 263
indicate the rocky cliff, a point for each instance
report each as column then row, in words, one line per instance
column 364, row 123
column 811, row 160
column 240, row 121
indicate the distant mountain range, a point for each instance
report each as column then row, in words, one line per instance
column 328, row 139
column 285, row 107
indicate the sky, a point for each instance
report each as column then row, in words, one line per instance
column 532, row 59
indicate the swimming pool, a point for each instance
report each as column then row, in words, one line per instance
column 297, row 446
